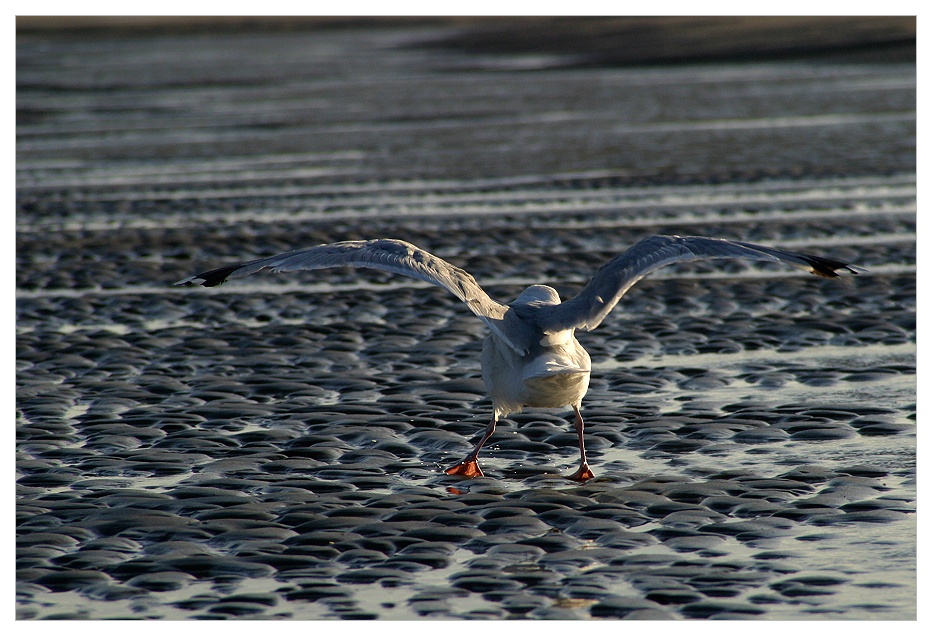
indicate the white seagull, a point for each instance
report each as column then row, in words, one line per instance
column 531, row 357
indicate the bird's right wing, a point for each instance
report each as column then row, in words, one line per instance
column 587, row 310
column 389, row 255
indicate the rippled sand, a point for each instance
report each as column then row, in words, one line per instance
column 273, row 448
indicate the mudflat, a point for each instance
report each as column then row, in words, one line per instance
column 273, row 448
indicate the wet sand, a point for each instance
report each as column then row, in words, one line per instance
column 273, row 448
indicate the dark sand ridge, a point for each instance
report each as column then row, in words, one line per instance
column 591, row 40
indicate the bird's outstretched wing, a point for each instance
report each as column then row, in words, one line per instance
column 388, row 255
column 589, row 308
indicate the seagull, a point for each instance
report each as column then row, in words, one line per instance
column 531, row 358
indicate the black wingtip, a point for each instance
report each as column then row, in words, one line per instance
column 828, row 267
column 209, row 279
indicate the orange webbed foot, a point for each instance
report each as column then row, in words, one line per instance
column 583, row 474
column 466, row 468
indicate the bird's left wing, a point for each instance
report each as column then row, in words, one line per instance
column 388, row 255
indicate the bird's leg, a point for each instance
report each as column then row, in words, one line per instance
column 469, row 467
column 584, row 471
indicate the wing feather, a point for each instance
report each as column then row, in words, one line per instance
column 389, row 255
column 590, row 307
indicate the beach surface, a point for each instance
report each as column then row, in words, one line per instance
column 274, row 448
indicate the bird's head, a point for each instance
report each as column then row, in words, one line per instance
column 538, row 295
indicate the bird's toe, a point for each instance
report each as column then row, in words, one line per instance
column 466, row 468
column 583, row 474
